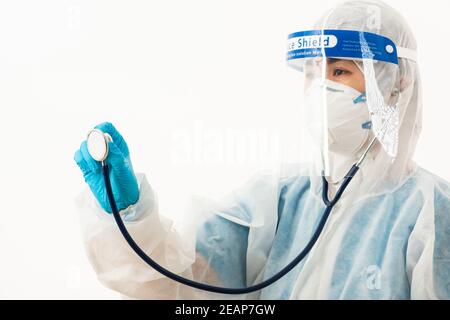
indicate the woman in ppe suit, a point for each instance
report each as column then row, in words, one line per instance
column 387, row 238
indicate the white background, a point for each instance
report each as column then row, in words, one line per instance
column 151, row 68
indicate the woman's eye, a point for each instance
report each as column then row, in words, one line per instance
column 339, row 72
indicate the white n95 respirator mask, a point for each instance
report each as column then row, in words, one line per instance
column 347, row 116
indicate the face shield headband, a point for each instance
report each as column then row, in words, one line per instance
column 346, row 44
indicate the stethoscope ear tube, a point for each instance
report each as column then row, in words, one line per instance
column 215, row 289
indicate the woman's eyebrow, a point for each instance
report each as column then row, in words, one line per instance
column 333, row 60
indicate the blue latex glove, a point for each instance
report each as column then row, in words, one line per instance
column 123, row 181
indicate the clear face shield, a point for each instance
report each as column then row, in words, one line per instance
column 351, row 93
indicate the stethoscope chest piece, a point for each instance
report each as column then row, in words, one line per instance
column 97, row 144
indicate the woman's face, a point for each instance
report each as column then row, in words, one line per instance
column 346, row 72
column 342, row 71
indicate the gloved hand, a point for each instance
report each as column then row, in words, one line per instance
column 123, row 181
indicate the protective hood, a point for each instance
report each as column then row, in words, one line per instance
column 378, row 39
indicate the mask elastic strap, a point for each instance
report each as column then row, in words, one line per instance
column 360, row 67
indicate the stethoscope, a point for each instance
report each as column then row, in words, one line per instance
column 98, row 147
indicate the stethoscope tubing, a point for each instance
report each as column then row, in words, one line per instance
column 215, row 289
